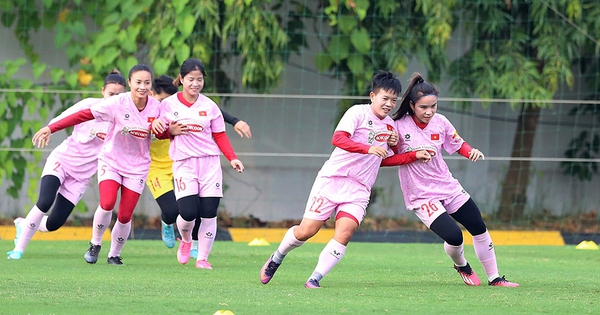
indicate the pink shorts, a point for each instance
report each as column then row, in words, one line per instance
column 107, row 172
column 432, row 209
column 200, row 176
column 330, row 195
column 70, row 188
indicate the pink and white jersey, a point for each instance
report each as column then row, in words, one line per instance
column 78, row 153
column 202, row 119
column 431, row 181
column 366, row 128
column 127, row 144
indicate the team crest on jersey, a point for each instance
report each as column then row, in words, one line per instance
column 136, row 132
column 379, row 136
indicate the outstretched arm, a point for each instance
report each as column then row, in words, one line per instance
column 42, row 137
column 240, row 126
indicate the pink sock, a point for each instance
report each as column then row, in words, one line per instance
column 484, row 249
column 119, row 236
column 289, row 242
column 185, row 229
column 29, row 226
column 42, row 227
column 206, row 237
column 101, row 222
column 456, row 253
column 329, row 257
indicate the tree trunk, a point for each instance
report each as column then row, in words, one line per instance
column 514, row 187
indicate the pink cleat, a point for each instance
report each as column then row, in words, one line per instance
column 468, row 275
column 502, row 282
column 312, row 284
column 183, row 253
column 203, row 264
column 268, row 270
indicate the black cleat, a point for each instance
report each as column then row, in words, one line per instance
column 91, row 256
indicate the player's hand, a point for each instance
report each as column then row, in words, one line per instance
column 393, row 139
column 379, row 151
column 158, row 126
column 424, row 156
column 237, row 165
column 475, row 155
column 42, row 137
column 243, row 129
column 177, row 128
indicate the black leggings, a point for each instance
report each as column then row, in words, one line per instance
column 468, row 215
column 169, row 208
column 194, row 207
column 61, row 207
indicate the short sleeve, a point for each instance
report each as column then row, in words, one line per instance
column 106, row 110
column 452, row 140
column 350, row 120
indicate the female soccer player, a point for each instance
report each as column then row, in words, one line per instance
column 343, row 186
column 160, row 176
column 428, row 186
column 195, row 155
column 124, row 159
column 67, row 171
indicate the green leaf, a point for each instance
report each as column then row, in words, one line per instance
column 247, row 2
column 183, row 53
column 361, row 41
column 127, row 63
column 56, row 74
column 8, row 19
column 323, row 61
column 228, row 3
column 47, row 3
column 356, row 64
column 166, row 35
column 13, row 66
column 71, row 79
column 38, row 69
column 186, row 24
column 339, row 48
column 347, row 23
column 179, row 5
column 161, row 65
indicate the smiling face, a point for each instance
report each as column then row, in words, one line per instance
column 193, row 82
column 140, row 84
column 425, row 108
column 383, row 102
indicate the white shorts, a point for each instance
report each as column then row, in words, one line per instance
column 200, row 176
column 107, row 172
column 432, row 209
column 330, row 195
column 70, row 188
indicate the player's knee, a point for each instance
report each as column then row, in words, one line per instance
column 107, row 203
column 303, row 233
column 454, row 239
column 124, row 217
column 44, row 203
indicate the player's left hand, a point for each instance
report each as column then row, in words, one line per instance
column 158, row 126
column 393, row 139
column 237, row 165
column 475, row 155
column 243, row 129
column 42, row 137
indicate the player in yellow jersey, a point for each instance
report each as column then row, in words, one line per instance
column 160, row 176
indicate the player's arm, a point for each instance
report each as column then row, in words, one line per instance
column 470, row 153
column 42, row 137
column 225, row 146
column 240, row 126
column 341, row 139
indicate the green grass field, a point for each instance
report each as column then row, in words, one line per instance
column 52, row 278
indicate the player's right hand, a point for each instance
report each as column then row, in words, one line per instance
column 158, row 126
column 424, row 156
column 379, row 151
column 42, row 137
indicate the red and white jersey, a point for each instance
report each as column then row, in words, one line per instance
column 203, row 118
column 431, row 181
column 365, row 128
column 127, row 144
column 78, row 153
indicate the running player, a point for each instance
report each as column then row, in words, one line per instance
column 429, row 189
column 160, row 176
column 363, row 137
column 124, row 159
column 195, row 155
column 67, row 171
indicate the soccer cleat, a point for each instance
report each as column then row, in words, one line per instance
column 183, row 253
column 312, row 284
column 17, row 222
column 203, row 264
column 268, row 270
column 502, row 282
column 468, row 275
column 117, row 260
column 14, row 254
column 168, row 235
column 91, row 256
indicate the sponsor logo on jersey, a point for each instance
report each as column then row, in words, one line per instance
column 137, row 132
column 382, row 136
column 101, row 135
column 431, row 149
column 193, row 125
